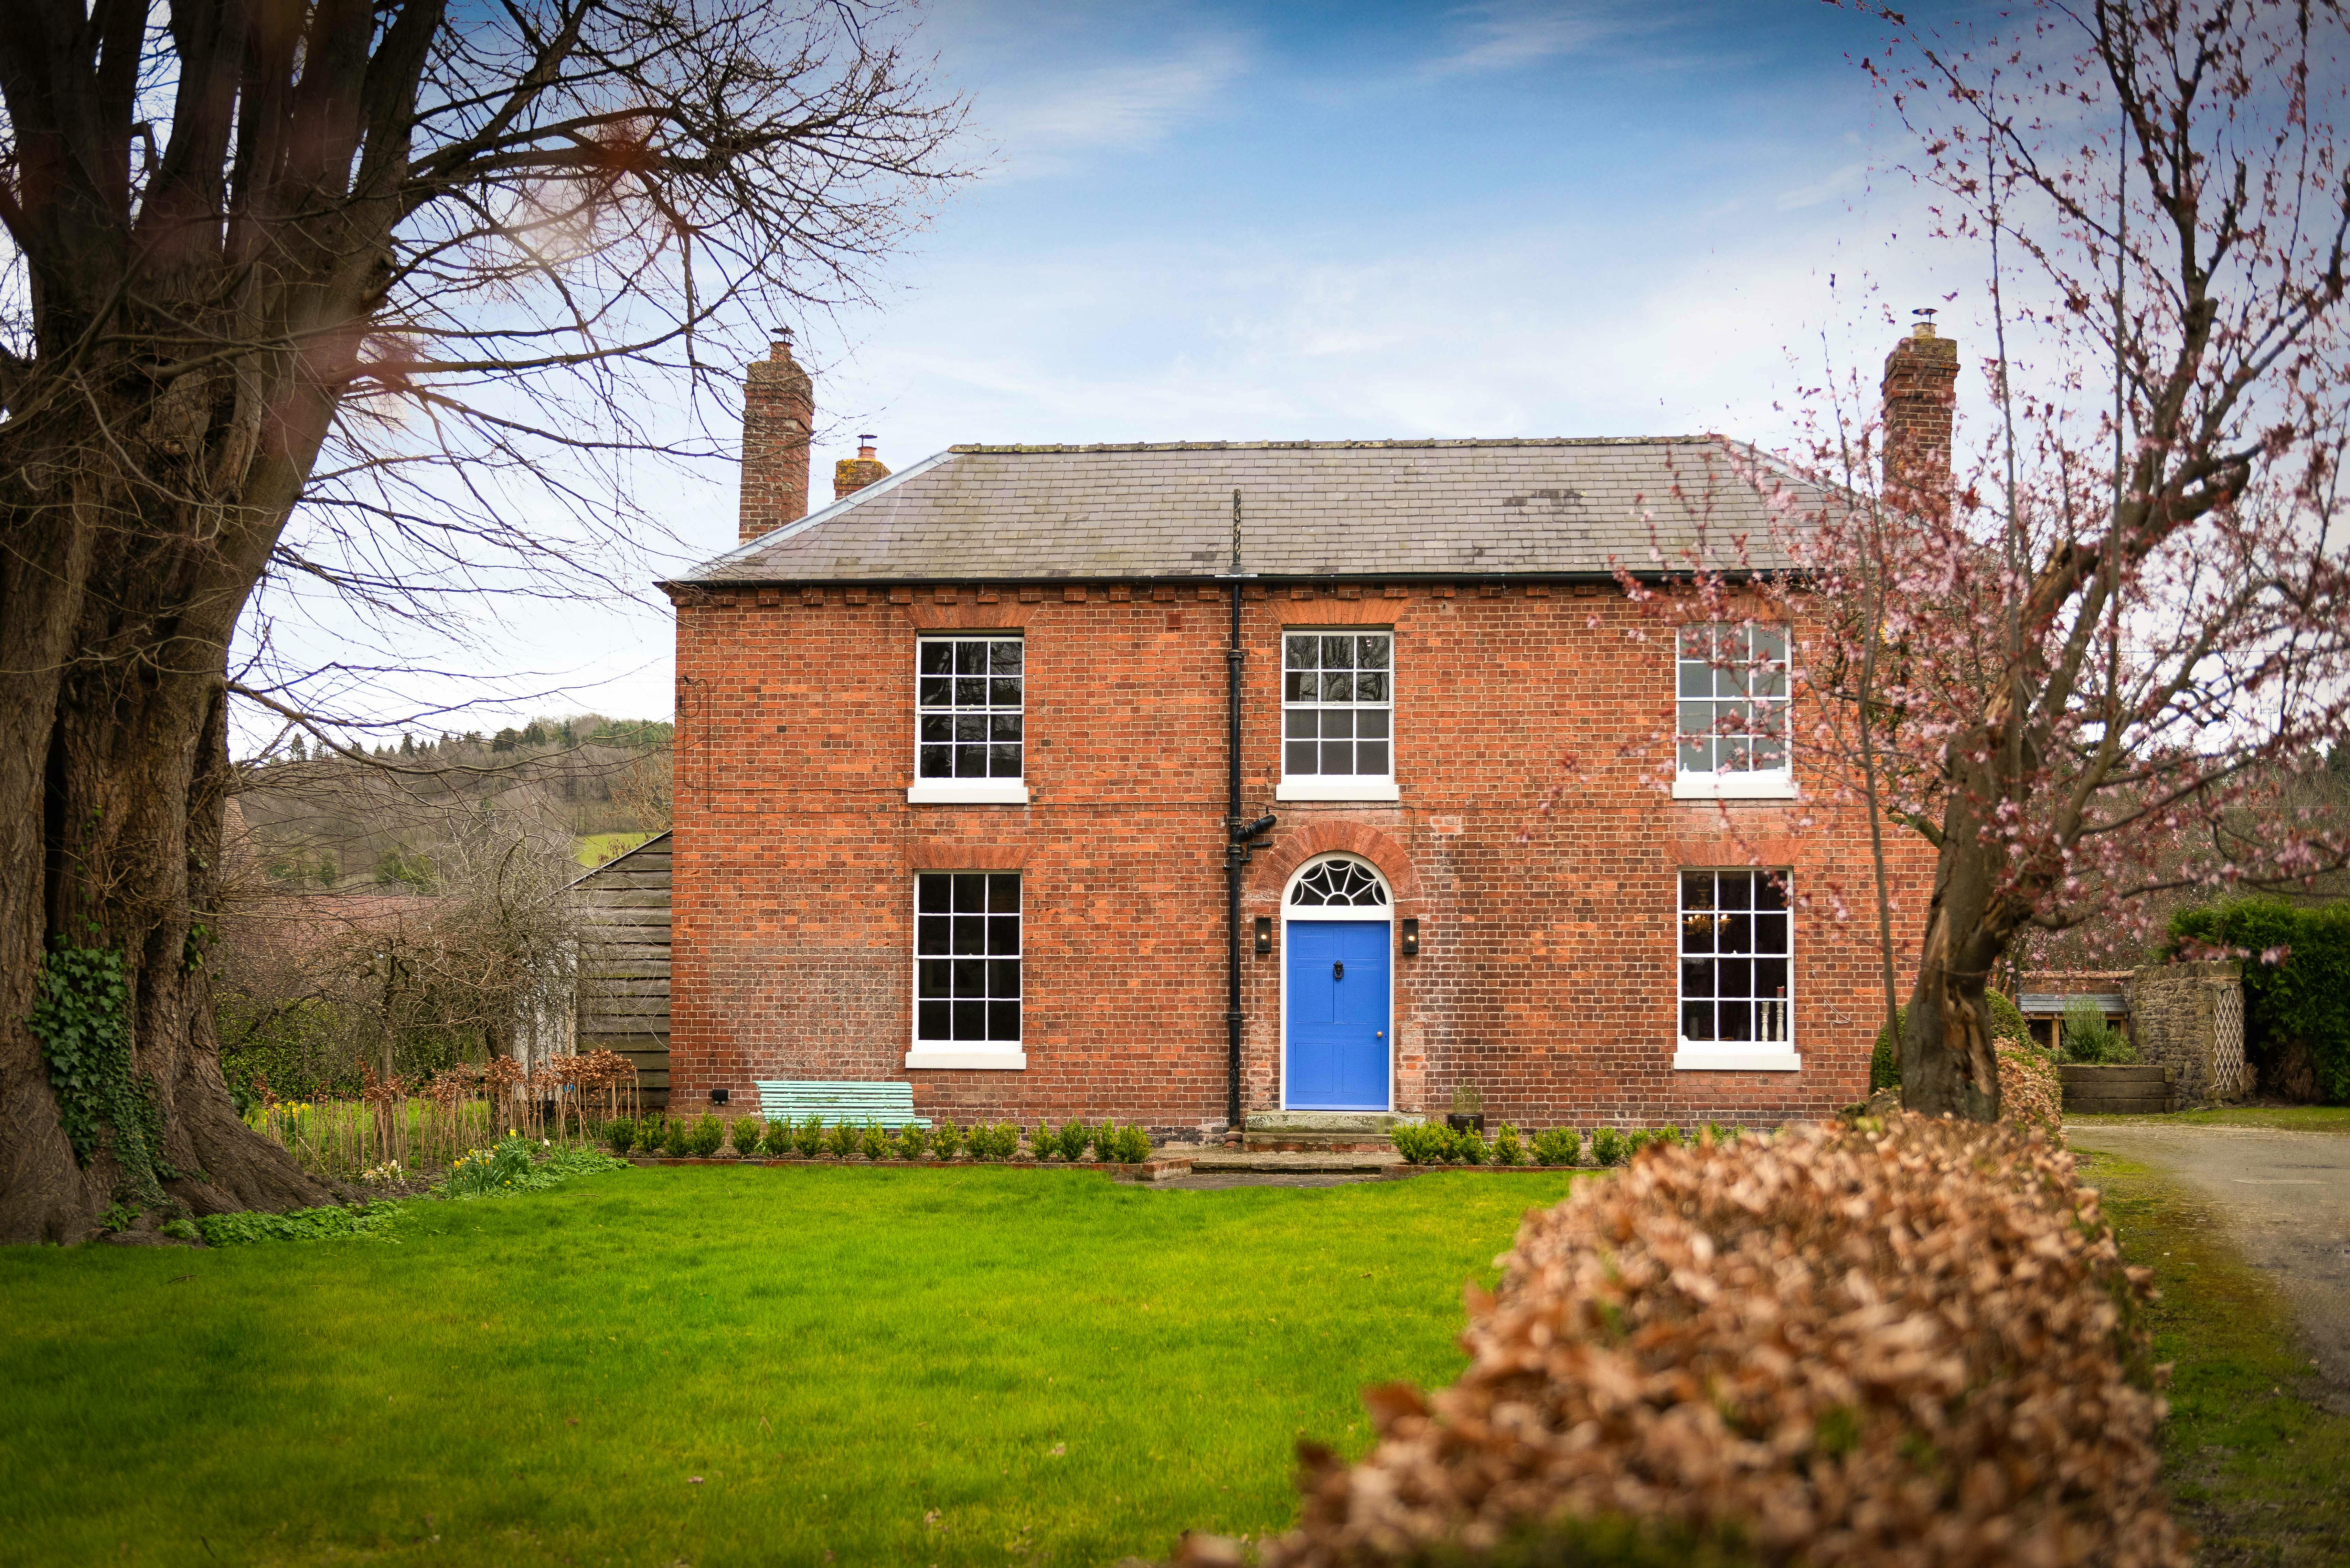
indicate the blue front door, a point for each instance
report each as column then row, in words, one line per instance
column 1337, row 1015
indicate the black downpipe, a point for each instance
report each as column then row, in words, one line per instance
column 1235, row 850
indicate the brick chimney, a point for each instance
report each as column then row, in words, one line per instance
column 853, row 474
column 1921, row 392
column 778, row 410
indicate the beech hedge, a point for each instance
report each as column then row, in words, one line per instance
column 1908, row 1342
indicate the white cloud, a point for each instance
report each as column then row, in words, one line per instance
column 1051, row 82
column 1503, row 35
column 1128, row 104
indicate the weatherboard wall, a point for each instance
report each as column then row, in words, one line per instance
column 622, row 1001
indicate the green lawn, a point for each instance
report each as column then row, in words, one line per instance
column 2292, row 1118
column 2254, row 1461
column 595, row 848
column 862, row 1366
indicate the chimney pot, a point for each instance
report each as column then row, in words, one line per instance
column 853, row 474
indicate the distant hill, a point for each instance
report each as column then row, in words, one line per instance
column 333, row 822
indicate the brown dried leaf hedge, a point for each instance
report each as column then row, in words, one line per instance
column 1898, row 1343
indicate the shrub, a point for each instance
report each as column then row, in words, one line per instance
column 912, row 1141
column 994, row 1140
column 1558, row 1145
column 874, row 1142
column 1132, row 1144
column 621, row 1135
column 1102, row 1139
column 1633, row 1142
column 1607, row 1146
column 1043, row 1143
column 1507, row 1149
column 2296, row 987
column 1431, row 1143
column 1468, row 1147
column 1413, row 1143
column 1074, row 1139
column 2087, row 1036
column 1670, row 1136
column 781, row 1137
column 840, row 1140
column 946, row 1137
column 709, row 1132
column 1719, row 1134
column 1977, row 1374
column 674, row 1136
column 746, row 1133
column 807, row 1138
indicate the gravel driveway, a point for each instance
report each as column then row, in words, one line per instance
column 2283, row 1199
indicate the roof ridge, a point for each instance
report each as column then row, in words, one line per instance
column 1411, row 442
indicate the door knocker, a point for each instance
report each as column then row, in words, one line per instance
column 1338, row 972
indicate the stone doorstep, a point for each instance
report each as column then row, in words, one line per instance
column 1322, row 1122
column 1321, row 1132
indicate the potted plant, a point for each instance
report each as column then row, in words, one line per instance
column 1468, row 1109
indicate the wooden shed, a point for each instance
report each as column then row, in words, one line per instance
column 622, row 1002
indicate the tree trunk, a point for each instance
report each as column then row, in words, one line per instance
column 116, row 605
column 1948, row 1064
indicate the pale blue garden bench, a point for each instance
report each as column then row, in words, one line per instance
column 885, row 1104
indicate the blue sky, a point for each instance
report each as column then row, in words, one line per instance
column 1234, row 221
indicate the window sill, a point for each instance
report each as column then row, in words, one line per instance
column 983, row 1060
column 967, row 791
column 1337, row 787
column 1734, row 786
column 1707, row 1059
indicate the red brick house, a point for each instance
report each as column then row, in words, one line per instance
column 958, row 800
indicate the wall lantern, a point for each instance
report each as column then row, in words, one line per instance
column 1264, row 936
column 1411, row 939
column 717, row 1097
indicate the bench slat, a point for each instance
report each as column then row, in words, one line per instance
column 888, row 1104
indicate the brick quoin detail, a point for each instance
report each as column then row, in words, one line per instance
column 1546, row 890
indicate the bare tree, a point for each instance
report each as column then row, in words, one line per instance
column 374, row 294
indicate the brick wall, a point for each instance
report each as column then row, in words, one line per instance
column 1532, row 842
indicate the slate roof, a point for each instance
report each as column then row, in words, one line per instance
column 1357, row 509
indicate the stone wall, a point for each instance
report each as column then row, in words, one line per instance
column 2180, row 1017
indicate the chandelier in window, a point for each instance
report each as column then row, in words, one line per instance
column 1346, row 884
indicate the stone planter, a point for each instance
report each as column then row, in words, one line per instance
column 2116, row 1091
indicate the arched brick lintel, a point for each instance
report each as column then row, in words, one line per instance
column 1324, row 836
